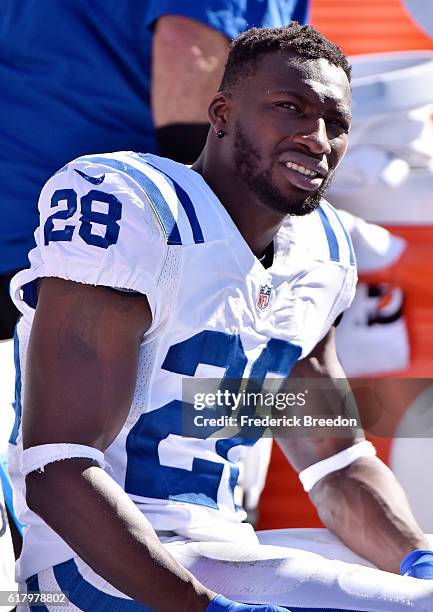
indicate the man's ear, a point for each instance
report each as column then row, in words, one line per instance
column 219, row 111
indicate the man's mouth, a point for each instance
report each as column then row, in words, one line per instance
column 301, row 169
column 302, row 177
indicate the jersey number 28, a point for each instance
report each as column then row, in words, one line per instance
column 89, row 216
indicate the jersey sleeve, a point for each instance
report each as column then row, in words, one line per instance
column 328, row 286
column 346, row 286
column 224, row 16
column 230, row 17
column 97, row 227
column 328, row 292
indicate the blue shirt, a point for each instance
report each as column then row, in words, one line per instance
column 75, row 79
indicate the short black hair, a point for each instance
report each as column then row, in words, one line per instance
column 302, row 40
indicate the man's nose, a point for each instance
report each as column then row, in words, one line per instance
column 315, row 137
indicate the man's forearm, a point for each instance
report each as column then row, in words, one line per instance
column 105, row 528
column 366, row 507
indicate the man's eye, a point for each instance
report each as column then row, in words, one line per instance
column 289, row 106
column 339, row 124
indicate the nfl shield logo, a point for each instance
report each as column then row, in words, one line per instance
column 264, row 296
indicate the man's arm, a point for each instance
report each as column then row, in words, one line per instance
column 188, row 59
column 363, row 503
column 82, row 366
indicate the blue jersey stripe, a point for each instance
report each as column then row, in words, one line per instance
column 349, row 241
column 81, row 593
column 334, row 249
column 6, row 485
column 33, row 587
column 161, row 208
column 186, row 204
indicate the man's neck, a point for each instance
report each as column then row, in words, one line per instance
column 255, row 221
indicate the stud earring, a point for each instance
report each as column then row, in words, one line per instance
column 220, row 134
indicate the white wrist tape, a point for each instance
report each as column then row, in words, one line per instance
column 37, row 457
column 313, row 473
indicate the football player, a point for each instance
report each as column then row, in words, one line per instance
column 147, row 272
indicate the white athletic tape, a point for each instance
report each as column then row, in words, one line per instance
column 37, row 457
column 312, row 474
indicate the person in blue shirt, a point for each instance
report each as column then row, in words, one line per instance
column 79, row 77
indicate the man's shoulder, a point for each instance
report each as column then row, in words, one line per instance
column 322, row 234
column 177, row 197
column 132, row 164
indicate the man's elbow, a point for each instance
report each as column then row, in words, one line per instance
column 54, row 487
column 45, row 489
column 38, row 492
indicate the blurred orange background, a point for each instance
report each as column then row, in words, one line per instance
column 368, row 26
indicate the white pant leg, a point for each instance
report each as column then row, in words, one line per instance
column 284, row 575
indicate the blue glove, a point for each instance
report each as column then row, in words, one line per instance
column 221, row 604
column 418, row 564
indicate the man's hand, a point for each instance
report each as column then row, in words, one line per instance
column 221, row 604
column 418, row 564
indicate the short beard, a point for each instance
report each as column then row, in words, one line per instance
column 246, row 158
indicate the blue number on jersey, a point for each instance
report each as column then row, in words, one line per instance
column 67, row 232
column 109, row 218
column 88, row 216
column 199, row 482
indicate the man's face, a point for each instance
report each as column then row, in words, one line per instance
column 290, row 130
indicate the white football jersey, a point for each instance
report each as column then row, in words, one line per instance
column 151, row 225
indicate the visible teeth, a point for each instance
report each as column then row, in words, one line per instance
column 300, row 169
